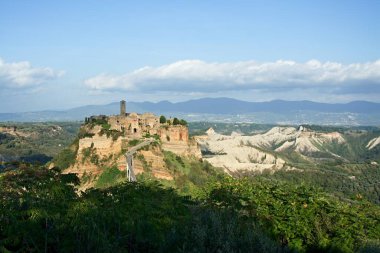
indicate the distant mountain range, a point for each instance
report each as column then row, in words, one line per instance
column 276, row 111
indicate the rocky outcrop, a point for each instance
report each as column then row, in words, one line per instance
column 234, row 154
column 190, row 148
column 373, row 143
column 152, row 161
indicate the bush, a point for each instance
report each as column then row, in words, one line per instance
column 67, row 157
column 183, row 122
column 110, row 176
column 162, row 119
column 175, row 121
column 133, row 142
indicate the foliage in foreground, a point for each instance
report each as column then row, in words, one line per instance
column 40, row 211
column 301, row 217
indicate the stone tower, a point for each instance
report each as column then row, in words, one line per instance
column 122, row 108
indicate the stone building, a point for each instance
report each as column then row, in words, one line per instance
column 135, row 125
column 175, row 133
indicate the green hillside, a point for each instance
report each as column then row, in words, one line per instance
column 35, row 142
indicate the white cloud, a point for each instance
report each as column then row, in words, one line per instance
column 199, row 76
column 23, row 74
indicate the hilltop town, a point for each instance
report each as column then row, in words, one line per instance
column 134, row 125
column 103, row 141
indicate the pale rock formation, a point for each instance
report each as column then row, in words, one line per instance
column 373, row 143
column 237, row 152
column 230, row 154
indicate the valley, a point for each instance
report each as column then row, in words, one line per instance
column 341, row 160
column 235, row 180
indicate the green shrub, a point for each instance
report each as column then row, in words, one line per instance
column 65, row 159
column 106, row 126
column 175, row 121
column 133, row 142
column 110, row 177
column 162, row 119
column 183, row 122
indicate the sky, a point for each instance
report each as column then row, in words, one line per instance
column 57, row 55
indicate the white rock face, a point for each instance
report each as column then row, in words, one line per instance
column 373, row 143
column 210, row 131
column 237, row 152
column 285, row 146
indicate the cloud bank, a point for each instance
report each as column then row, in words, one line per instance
column 200, row 76
column 23, row 74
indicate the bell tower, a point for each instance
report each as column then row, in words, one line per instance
column 122, row 108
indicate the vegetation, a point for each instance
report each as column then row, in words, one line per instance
column 66, row 157
column 134, row 142
column 36, row 142
column 115, row 134
column 201, row 210
column 146, row 166
column 189, row 173
column 355, row 171
column 101, row 121
column 40, row 211
column 344, row 181
column 110, row 176
column 301, row 217
column 148, row 135
column 177, row 121
column 90, row 153
column 162, row 119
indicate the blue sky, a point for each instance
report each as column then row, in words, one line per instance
column 62, row 54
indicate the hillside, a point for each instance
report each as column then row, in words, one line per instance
column 97, row 155
column 35, row 142
column 341, row 160
column 285, row 144
column 344, row 161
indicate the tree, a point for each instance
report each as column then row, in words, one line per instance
column 176, row 121
column 183, row 122
column 162, row 119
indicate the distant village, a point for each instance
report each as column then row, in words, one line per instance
column 135, row 125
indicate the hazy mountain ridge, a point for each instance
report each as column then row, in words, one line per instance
column 216, row 109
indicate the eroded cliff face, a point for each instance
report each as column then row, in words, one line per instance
column 176, row 139
column 152, row 161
